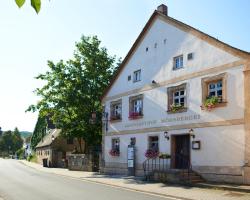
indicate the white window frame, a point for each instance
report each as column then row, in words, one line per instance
column 216, row 88
column 137, row 105
column 178, row 62
column 137, row 75
column 179, row 97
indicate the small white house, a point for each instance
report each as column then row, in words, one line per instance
column 184, row 93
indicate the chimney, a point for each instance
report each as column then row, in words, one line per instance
column 163, row 9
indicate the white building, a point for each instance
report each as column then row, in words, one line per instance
column 160, row 100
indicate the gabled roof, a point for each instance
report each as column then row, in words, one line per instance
column 47, row 139
column 184, row 27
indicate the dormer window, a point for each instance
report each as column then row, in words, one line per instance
column 178, row 62
column 137, row 76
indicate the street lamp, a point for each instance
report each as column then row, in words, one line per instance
column 191, row 133
column 166, row 135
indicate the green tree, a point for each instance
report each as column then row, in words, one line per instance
column 74, row 88
column 36, row 4
column 17, row 140
column 11, row 141
column 39, row 131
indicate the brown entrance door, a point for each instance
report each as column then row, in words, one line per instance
column 182, row 152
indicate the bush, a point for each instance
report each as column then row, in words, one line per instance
column 20, row 153
column 32, row 158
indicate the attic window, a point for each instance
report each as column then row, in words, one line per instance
column 178, row 62
column 146, row 49
column 190, row 56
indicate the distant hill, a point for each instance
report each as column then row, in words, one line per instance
column 25, row 134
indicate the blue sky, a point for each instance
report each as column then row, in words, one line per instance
column 28, row 40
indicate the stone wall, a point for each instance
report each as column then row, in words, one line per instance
column 79, row 162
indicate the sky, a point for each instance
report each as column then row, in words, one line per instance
column 28, row 40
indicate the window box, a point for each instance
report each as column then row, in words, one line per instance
column 164, row 156
column 214, row 92
column 114, row 152
column 150, row 153
column 135, row 115
column 177, row 108
column 212, row 102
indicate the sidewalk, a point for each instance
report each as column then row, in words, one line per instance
column 174, row 191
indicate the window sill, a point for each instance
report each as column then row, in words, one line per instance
column 115, row 120
column 136, row 117
column 178, row 111
column 218, row 105
column 175, row 69
column 136, row 81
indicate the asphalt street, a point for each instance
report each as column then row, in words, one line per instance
column 19, row 182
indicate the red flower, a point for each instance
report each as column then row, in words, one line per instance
column 150, row 153
column 114, row 152
column 134, row 115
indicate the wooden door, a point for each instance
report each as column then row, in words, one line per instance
column 182, row 151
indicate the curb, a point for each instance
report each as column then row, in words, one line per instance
column 221, row 187
column 199, row 185
column 112, row 185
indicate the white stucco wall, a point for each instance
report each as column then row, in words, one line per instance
column 155, row 105
column 220, row 146
column 157, row 63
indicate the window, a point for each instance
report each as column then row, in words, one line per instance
column 116, row 144
column 153, row 143
column 135, row 107
column 137, row 76
column 215, row 89
column 146, row 49
column 190, row 56
column 214, row 86
column 129, row 78
column 116, row 110
column 70, row 141
column 155, row 46
column 178, row 62
column 177, row 98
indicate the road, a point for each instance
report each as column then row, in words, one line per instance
column 19, row 182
